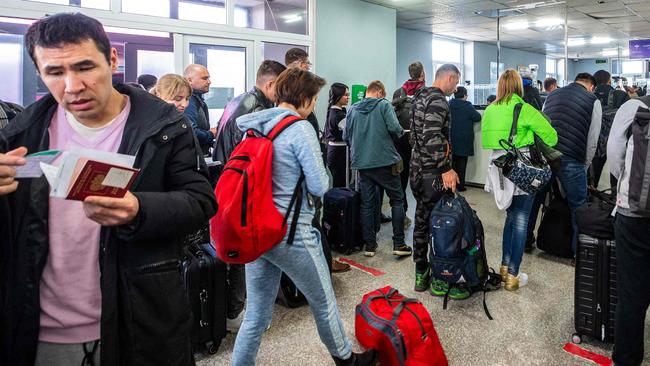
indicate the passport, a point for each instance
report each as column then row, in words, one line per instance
column 94, row 178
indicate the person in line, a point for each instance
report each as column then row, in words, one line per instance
column 496, row 125
column 173, row 89
column 611, row 100
column 550, row 84
column 197, row 110
column 632, row 230
column 370, row 129
column 98, row 281
column 339, row 97
column 531, row 94
column 403, row 103
column 261, row 97
column 463, row 117
column 296, row 151
column 576, row 114
column 491, row 98
column 299, row 58
column 147, row 81
column 431, row 170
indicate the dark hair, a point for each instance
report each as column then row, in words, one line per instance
column 585, row 76
column 548, row 82
column 415, row 70
column 337, row 91
column 491, row 98
column 147, row 81
column 445, row 69
column 295, row 54
column 269, row 68
column 602, row 77
column 297, row 87
column 461, row 92
column 66, row 28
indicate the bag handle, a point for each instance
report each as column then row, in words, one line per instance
column 515, row 118
column 283, row 125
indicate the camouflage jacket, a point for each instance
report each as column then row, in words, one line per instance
column 430, row 133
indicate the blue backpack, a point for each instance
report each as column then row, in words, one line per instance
column 457, row 248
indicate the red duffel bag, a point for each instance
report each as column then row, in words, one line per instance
column 399, row 328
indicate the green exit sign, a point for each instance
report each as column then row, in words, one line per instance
column 603, row 61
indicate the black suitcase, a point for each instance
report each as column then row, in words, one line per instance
column 204, row 277
column 555, row 232
column 595, row 289
column 341, row 220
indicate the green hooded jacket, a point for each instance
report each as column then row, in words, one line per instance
column 497, row 121
column 370, row 128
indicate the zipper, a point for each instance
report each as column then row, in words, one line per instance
column 417, row 318
column 599, row 324
column 366, row 310
column 159, row 266
column 244, row 194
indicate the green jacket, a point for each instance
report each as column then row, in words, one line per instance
column 497, row 121
column 370, row 128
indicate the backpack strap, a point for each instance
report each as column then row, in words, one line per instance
column 283, row 125
column 296, row 197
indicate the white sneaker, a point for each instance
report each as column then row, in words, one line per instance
column 523, row 279
column 233, row 325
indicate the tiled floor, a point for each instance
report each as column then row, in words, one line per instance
column 530, row 326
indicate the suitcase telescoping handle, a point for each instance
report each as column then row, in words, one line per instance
column 203, row 297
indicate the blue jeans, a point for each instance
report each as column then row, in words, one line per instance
column 305, row 263
column 515, row 232
column 573, row 177
column 369, row 182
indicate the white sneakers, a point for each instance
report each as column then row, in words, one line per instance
column 233, row 325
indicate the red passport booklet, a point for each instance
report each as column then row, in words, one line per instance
column 94, row 178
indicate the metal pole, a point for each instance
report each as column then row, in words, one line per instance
column 498, row 41
column 566, row 44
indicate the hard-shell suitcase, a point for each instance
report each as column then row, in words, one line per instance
column 595, row 289
column 204, row 277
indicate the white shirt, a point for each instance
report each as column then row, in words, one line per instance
column 89, row 133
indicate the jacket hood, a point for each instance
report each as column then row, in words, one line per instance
column 411, row 86
column 527, row 82
column 263, row 121
column 367, row 105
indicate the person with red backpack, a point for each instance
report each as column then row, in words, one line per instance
column 296, row 157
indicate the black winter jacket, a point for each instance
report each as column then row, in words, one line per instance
column 145, row 317
column 229, row 135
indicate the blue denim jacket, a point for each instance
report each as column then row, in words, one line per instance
column 294, row 150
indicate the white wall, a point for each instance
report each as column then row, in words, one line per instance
column 355, row 44
column 484, row 53
column 586, row 65
column 413, row 46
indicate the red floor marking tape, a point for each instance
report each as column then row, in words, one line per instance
column 373, row 271
column 588, row 355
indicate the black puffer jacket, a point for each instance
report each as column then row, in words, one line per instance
column 229, row 135
column 145, row 318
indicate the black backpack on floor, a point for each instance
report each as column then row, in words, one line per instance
column 555, row 232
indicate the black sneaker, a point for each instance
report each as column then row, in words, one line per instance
column 367, row 358
column 369, row 252
column 402, row 251
column 385, row 219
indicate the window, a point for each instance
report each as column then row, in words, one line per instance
column 95, row 4
column 447, row 51
column 276, row 51
column 285, row 16
column 11, row 67
column 632, row 67
column 156, row 63
column 551, row 68
column 203, row 11
column 157, row 8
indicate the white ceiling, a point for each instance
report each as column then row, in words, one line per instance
column 620, row 20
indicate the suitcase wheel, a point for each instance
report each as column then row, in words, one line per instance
column 213, row 347
column 576, row 338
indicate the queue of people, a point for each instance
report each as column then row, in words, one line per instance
column 128, row 305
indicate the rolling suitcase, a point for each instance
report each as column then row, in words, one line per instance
column 342, row 216
column 204, row 277
column 595, row 289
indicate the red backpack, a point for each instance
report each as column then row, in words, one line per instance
column 399, row 329
column 247, row 223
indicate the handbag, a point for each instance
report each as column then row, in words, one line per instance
column 527, row 175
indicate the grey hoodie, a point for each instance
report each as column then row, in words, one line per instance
column 369, row 131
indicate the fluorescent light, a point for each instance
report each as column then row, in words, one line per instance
column 516, row 25
column 549, row 22
column 16, row 20
column 136, row 32
column 292, row 18
column 576, row 41
column 600, row 40
column 610, row 52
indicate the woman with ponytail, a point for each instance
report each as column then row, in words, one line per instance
column 339, row 97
